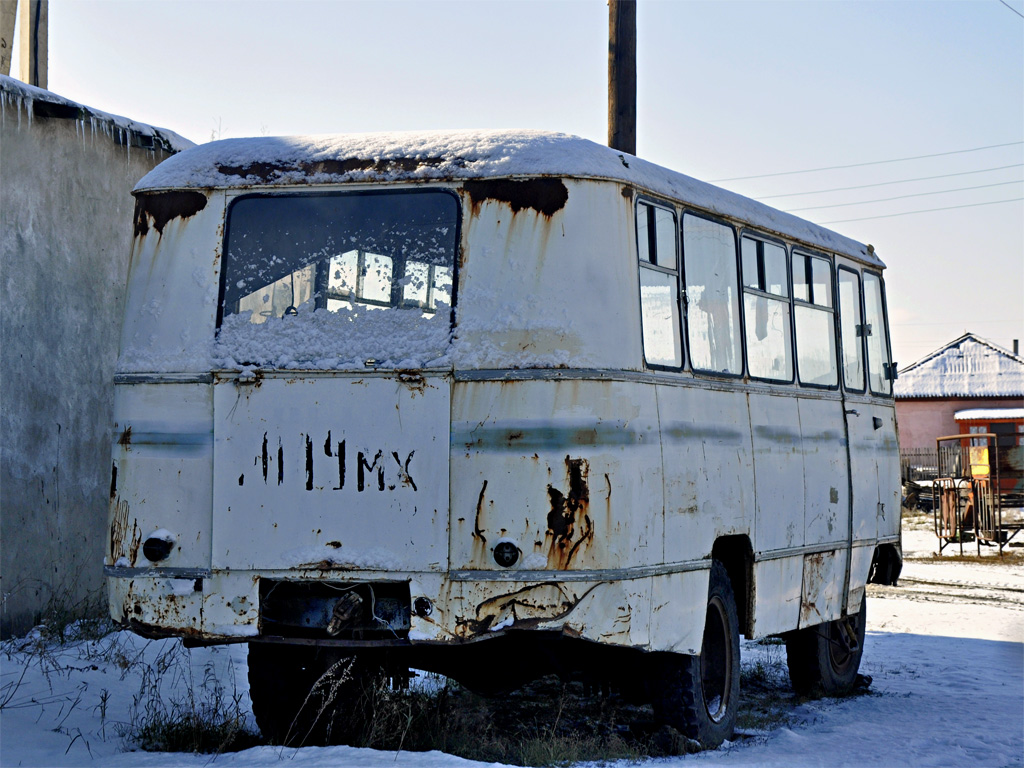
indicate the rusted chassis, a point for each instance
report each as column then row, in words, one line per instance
column 515, row 633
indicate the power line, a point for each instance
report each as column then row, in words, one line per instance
column 929, row 210
column 874, row 162
column 904, row 197
column 1012, row 8
column 887, row 183
column 945, row 322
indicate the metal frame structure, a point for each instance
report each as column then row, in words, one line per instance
column 967, row 495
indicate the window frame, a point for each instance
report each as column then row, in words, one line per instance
column 737, row 285
column 641, row 264
column 831, row 310
column 787, row 251
column 291, row 193
column 888, row 341
column 839, row 326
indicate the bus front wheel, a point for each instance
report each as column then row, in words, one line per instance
column 699, row 695
column 823, row 660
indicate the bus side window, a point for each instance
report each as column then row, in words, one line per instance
column 659, row 285
column 879, row 365
column 712, row 296
column 851, row 330
column 766, row 310
column 815, row 325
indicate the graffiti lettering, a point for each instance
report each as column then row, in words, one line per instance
column 373, row 469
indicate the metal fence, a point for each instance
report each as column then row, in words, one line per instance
column 918, row 464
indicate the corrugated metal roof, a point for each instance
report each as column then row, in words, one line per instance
column 969, row 366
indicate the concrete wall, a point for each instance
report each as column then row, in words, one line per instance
column 65, row 234
column 921, row 421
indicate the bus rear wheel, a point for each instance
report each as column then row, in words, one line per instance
column 699, row 695
column 303, row 696
column 823, row 660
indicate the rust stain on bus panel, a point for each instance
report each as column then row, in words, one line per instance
column 546, row 196
column 120, row 531
column 280, row 172
column 162, row 207
column 815, row 576
column 478, row 532
column 521, row 609
column 569, row 525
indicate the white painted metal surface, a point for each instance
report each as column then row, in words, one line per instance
column 339, row 472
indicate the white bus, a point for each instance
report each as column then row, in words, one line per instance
column 497, row 405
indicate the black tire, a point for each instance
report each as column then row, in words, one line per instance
column 823, row 660
column 304, row 696
column 699, row 695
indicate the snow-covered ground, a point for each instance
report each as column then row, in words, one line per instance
column 945, row 650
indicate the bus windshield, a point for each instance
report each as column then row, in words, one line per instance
column 375, row 262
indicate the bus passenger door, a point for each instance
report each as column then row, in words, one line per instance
column 864, row 433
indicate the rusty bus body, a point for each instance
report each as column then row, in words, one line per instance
column 558, row 478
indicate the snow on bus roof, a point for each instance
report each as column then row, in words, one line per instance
column 414, row 156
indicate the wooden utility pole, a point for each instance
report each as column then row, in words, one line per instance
column 622, row 75
column 32, row 39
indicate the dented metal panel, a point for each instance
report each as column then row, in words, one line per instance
column 824, row 576
column 778, row 589
column 860, row 565
column 678, row 607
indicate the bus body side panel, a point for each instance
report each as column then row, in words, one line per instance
column 171, row 300
column 889, row 487
column 543, row 288
column 709, row 470
column 779, row 496
column 865, row 444
column 778, row 471
column 569, row 472
column 778, row 584
column 859, row 568
column 875, row 470
column 678, row 608
column 162, row 474
column 161, row 486
column 331, row 472
column 824, row 576
column 826, row 509
column 826, row 472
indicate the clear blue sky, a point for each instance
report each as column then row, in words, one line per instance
column 726, row 89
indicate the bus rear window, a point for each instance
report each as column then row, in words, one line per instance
column 286, row 254
column 361, row 275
